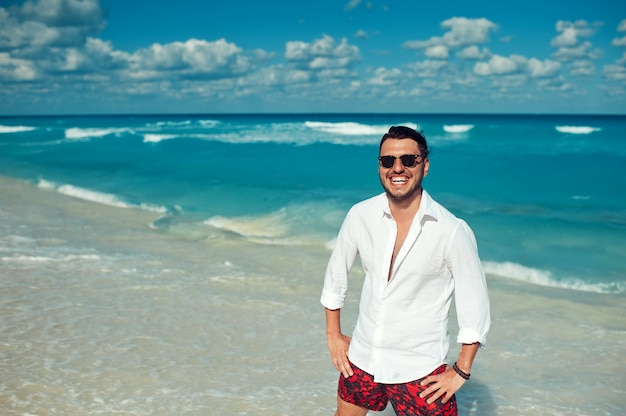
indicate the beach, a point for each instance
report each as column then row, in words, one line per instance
column 124, row 319
column 173, row 264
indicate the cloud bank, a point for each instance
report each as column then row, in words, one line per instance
column 50, row 53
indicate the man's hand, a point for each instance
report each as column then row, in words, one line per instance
column 442, row 385
column 338, row 345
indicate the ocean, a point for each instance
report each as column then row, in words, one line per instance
column 172, row 264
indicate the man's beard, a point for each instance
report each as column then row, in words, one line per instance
column 399, row 197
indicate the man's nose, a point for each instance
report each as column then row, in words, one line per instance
column 398, row 166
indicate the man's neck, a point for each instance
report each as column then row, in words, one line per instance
column 405, row 209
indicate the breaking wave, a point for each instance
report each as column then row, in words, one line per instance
column 577, row 129
column 98, row 197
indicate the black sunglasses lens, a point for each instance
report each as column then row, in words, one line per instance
column 408, row 160
column 387, row 161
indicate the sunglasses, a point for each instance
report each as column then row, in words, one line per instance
column 408, row 161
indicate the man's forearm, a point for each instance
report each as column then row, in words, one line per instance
column 333, row 321
column 466, row 356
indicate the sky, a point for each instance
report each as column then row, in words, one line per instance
column 322, row 56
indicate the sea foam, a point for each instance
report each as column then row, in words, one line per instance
column 576, row 129
column 77, row 133
column 267, row 226
column 92, row 196
column 208, row 123
column 457, row 128
column 15, row 129
column 98, row 197
column 155, row 138
column 43, row 259
column 350, row 128
column 540, row 277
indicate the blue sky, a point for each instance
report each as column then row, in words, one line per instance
column 236, row 56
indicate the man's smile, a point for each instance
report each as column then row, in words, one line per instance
column 399, row 180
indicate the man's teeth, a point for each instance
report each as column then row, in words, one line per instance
column 398, row 180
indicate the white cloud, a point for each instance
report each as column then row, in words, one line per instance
column 582, row 68
column 567, row 38
column 50, row 23
column 555, row 84
column 427, row 68
column 509, row 82
column 12, row 69
column 570, row 32
column 498, row 65
column 51, row 47
column 18, row 34
column 437, row 52
column 102, row 56
column 385, row 77
column 543, row 69
column 74, row 61
column 468, row 80
column 571, row 41
column 423, row 44
column 63, row 12
column 322, row 53
column 59, row 58
column 617, row 71
column 462, row 32
column 582, row 50
column 517, row 65
column 193, row 57
column 473, row 52
column 621, row 42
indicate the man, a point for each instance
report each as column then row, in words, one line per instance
column 415, row 255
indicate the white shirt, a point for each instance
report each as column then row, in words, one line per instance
column 401, row 333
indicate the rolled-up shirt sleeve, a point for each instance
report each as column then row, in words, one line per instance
column 470, row 287
column 339, row 266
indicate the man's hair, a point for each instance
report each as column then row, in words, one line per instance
column 403, row 132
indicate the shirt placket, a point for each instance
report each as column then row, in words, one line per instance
column 382, row 281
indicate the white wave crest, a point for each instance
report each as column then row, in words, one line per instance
column 44, row 184
column 42, row 259
column 268, row 226
column 15, row 129
column 158, row 209
column 171, row 123
column 92, row 196
column 77, row 133
column 457, row 128
column 186, row 123
column 208, row 123
column 540, row 277
column 155, row 138
column 350, row 128
column 576, row 129
column 98, row 197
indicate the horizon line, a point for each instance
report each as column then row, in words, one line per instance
column 133, row 114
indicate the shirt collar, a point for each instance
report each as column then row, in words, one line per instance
column 426, row 210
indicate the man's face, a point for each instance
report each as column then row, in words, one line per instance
column 400, row 182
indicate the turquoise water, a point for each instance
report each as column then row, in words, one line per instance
column 545, row 194
column 172, row 265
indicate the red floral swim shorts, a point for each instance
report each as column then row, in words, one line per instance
column 361, row 390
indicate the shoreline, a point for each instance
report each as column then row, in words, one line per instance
column 546, row 344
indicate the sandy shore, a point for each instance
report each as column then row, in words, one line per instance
column 551, row 351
